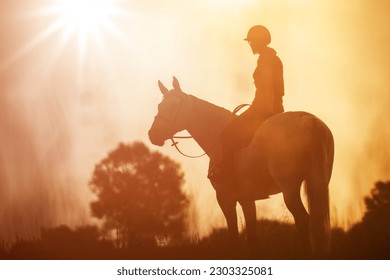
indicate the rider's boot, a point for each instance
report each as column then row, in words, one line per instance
column 222, row 172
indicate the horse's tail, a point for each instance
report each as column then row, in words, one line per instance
column 317, row 180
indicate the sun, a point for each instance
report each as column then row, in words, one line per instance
column 84, row 21
column 84, row 16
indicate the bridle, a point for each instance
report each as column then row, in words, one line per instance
column 175, row 143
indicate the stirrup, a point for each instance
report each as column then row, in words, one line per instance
column 215, row 173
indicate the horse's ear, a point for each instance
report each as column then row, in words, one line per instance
column 163, row 89
column 176, row 84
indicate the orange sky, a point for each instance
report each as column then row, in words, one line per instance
column 66, row 100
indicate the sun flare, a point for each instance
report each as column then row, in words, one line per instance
column 84, row 21
column 84, row 15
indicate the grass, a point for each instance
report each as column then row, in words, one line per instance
column 276, row 241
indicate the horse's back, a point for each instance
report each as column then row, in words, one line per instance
column 283, row 149
column 288, row 142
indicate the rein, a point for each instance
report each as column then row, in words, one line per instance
column 175, row 143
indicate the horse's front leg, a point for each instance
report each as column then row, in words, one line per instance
column 228, row 207
column 249, row 209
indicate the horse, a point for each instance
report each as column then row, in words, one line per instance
column 288, row 149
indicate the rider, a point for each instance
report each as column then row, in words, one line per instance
column 268, row 79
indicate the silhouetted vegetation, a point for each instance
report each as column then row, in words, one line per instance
column 368, row 239
column 139, row 196
column 277, row 241
column 86, row 242
column 371, row 237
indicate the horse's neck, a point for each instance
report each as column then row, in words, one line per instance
column 206, row 124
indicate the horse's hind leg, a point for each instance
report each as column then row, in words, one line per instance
column 249, row 209
column 293, row 201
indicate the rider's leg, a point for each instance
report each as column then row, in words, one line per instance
column 228, row 140
column 233, row 137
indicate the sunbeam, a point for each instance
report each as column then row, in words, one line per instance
column 84, row 21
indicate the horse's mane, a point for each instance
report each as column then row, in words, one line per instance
column 211, row 113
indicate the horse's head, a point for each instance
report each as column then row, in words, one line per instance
column 171, row 116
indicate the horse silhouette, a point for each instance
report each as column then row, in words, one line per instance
column 288, row 149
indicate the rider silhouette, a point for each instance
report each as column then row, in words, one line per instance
column 268, row 79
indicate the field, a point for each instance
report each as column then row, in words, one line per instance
column 275, row 241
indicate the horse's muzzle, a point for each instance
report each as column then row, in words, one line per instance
column 155, row 140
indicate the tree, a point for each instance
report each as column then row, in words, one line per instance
column 139, row 195
column 371, row 237
column 377, row 217
column 378, row 204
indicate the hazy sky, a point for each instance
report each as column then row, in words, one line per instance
column 69, row 96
